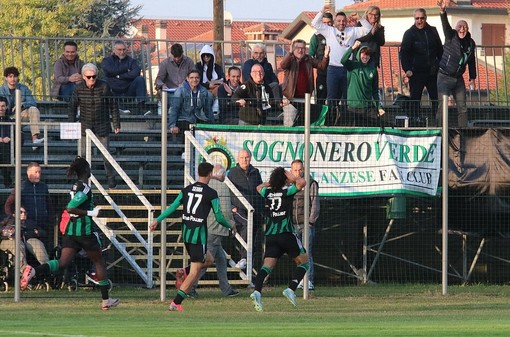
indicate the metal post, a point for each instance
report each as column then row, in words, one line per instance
column 445, row 197
column 306, row 161
column 17, row 195
column 164, row 150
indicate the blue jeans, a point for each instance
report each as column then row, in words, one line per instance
column 137, row 89
column 66, row 91
column 336, row 84
column 448, row 85
column 311, row 237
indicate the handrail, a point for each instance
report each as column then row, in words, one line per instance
column 191, row 140
column 91, row 138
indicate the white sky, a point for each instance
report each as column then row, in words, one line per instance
column 275, row 10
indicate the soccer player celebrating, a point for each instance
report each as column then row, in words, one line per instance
column 197, row 200
column 280, row 236
column 80, row 233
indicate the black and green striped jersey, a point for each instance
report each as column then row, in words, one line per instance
column 279, row 209
column 197, row 200
column 81, row 197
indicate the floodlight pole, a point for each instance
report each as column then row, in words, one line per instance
column 445, row 159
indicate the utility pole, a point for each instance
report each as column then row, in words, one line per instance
column 218, row 19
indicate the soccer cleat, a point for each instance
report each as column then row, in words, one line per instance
column 110, row 303
column 180, row 276
column 28, row 274
column 257, row 301
column 175, row 307
column 290, row 296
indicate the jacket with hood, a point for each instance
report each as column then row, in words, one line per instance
column 209, row 74
column 457, row 52
column 421, row 50
column 188, row 105
column 61, row 72
column 363, row 79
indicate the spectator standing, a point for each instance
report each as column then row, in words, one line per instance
column 80, row 233
column 246, row 178
column 192, row 102
column 339, row 38
column 35, row 198
column 123, row 76
column 459, row 52
column 363, row 101
column 270, row 79
column 280, row 236
column 375, row 37
column 93, row 97
column 316, row 49
column 5, row 143
column 229, row 111
column 198, row 199
column 298, row 79
column 253, row 98
column 298, row 215
column 217, row 232
column 29, row 111
column 420, row 52
column 66, row 72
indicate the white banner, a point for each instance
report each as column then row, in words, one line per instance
column 344, row 163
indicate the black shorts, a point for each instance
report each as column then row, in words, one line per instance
column 277, row 245
column 88, row 243
column 197, row 253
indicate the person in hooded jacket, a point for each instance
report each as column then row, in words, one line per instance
column 363, row 101
column 192, row 102
column 212, row 74
column 459, row 52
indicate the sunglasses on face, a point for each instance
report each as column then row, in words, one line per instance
column 420, row 18
column 91, row 77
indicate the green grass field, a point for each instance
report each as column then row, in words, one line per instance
column 380, row 310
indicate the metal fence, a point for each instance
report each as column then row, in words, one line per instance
column 35, row 58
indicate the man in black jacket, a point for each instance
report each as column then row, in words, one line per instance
column 94, row 98
column 420, row 53
column 254, row 98
column 459, row 52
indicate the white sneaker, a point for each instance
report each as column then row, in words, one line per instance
column 37, row 141
column 122, row 111
column 109, row 303
column 300, row 285
column 148, row 113
column 241, row 264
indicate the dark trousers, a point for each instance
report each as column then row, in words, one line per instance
column 417, row 83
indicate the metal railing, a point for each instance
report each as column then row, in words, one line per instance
column 35, row 58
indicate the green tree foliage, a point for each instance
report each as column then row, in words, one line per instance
column 500, row 96
column 109, row 18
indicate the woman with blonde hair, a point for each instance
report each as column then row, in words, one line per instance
column 375, row 38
